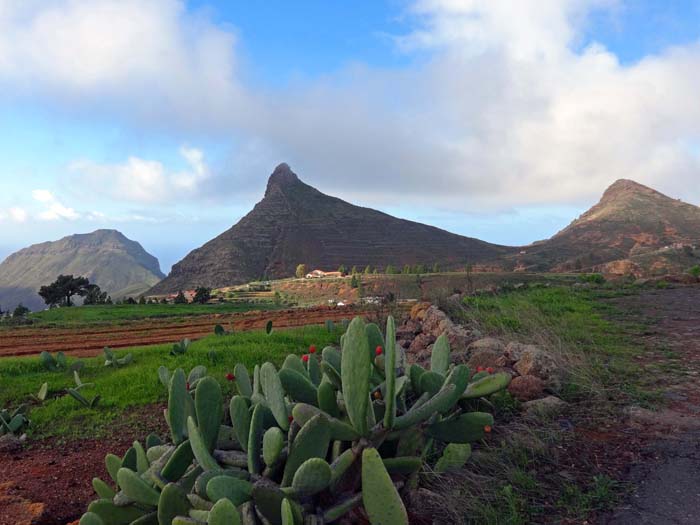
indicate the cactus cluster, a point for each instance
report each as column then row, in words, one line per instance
column 320, row 440
column 111, row 358
column 13, row 422
column 180, row 348
column 59, row 363
column 80, row 398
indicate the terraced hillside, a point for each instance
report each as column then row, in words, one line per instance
column 295, row 223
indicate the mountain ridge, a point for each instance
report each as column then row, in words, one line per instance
column 295, row 223
column 106, row 257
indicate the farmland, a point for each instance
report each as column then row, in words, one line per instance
column 87, row 340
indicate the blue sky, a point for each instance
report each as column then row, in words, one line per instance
column 493, row 119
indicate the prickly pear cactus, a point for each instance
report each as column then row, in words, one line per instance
column 343, row 434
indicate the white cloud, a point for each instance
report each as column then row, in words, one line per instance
column 503, row 107
column 14, row 214
column 144, row 181
column 53, row 209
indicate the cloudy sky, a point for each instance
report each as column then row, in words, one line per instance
column 491, row 118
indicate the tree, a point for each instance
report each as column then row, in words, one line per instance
column 436, row 268
column 354, row 270
column 20, row 311
column 95, row 296
column 180, row 298
column 62, row 290
column 130, row 300
column 301, row 271
column 109, row 300
column 202, row 295
column 406, row 269
column 389, row 269
column 142, row 300
column 368, row 270
column 342, row 269
column 354, row 282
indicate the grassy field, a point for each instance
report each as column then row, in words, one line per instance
column 83, row 315
column 520, row 479
column 123, row 390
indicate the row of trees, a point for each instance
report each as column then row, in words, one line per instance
column 62, row 291
column 390, row 269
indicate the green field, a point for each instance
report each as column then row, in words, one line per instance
column 81, row 315
column 123, row 390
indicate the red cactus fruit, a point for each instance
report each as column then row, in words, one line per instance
column 378, row 350
column 290, row 419
column 312, row 349
column 487, row 428
column 479, row 368
column 230, row 377
column 305, row 358
column 490, row 370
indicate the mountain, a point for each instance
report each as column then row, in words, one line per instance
column 295, row 223
column 633, row 229
column 106, row 257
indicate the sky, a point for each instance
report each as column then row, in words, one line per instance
column 495, row 119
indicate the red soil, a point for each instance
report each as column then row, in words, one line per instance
column 50, row 481
column 87, row 342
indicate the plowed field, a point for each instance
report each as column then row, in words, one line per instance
column 89, row 341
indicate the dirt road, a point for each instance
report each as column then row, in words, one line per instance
column 666, row 480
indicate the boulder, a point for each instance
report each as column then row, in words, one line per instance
column 514, row 351
column 418, row 311
column 526, row 388
column 487, row 343
column 547, row 406
column 485, row 358
column 536, row 362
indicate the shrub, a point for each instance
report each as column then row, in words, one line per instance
column 180, row 298
column 592, row 278
column 293, row 453
column 695, row 271
column 20, row 311
column 202, row 295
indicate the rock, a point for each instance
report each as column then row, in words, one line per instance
column 487, row 343
column 514, row 351
column 9, row 443
column 485, row 358
column 547, row 406
column 536, row 362
column 420, row 349
column 418, row 311
column 526, row 388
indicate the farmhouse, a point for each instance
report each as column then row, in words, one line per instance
column 320, row 274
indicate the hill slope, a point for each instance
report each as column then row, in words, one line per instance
column 630, row 223
column 106, row 257
column 295, row 223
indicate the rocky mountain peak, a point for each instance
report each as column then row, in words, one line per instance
column 624, row 188
column 282, row 177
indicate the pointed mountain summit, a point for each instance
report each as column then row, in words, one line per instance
column 107, row 258
column 630, row 220
column 295, row 223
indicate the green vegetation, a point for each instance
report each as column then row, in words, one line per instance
column 128, row 387
column 126, row 312
column 512, row 481
column 284, row 425
column 575, row 324
column 695, row 271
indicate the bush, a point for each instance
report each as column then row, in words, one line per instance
column 291, row 449
column 592, row 278
column 695, row 271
